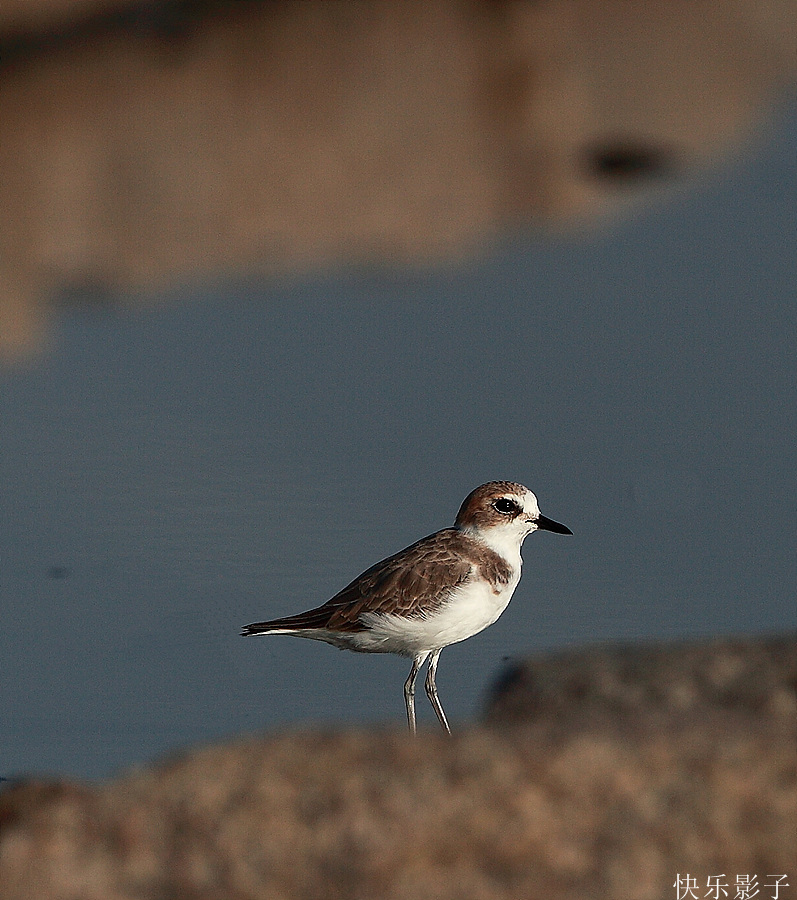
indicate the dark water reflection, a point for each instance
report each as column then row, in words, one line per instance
column 170, row 474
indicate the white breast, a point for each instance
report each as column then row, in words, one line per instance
column 469, row 610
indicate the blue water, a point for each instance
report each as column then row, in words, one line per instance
column 242, row 450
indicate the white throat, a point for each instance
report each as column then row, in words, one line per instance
column 505, row 542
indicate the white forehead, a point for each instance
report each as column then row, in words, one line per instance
column 528, row 501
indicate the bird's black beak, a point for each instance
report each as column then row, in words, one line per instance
column 546, row 524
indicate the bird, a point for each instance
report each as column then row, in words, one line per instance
column 439, row 591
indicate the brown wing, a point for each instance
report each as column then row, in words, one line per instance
column 414, row 581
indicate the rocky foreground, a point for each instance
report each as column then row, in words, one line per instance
column 609, row 773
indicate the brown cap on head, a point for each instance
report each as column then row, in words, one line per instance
column 477, row 508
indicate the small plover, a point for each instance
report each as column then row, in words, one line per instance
column 440, row 590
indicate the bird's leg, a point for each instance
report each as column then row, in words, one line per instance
column 409, row 689
column 431, row 689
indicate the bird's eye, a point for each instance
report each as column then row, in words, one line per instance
column 505, row 506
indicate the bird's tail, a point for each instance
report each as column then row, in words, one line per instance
column 315, row 618
column 265, row 628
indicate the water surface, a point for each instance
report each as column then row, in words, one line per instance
column 242, row 451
